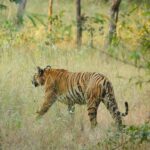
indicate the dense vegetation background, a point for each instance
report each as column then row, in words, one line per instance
column 126, row 62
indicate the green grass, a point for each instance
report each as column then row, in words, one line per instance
column 22, row 49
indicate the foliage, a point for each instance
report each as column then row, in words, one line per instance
column 16, row 1
column 129, row 138
column 139, row 34
column 138, row 134
column 93, row 24
column 60, row 30
column 36, row 18
column 3, row 7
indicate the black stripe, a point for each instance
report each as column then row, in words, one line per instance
column 118, row 113
column 72, row 88
column 79, row 97
column 76, row 78
column 82, row 80
column 103, row 93
column 72, row 97
column 100, row 79
column 91, row 108
column 104, row 82
column 79, row 86
column 60, row 76
column 92, row 113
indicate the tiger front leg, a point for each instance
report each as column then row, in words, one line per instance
column 71, row 109
column 48, row 102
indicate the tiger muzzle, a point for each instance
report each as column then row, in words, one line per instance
column 35, row 83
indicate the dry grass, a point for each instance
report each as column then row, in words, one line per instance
column 19, row 101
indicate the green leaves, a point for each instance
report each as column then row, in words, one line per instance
column 139, row 133
column 99, row 18
column 135, row 55
column 129, row 136
column 16, row 1
column 60, row 30
column 36, row 18
column 146, row 13
column 3, row 7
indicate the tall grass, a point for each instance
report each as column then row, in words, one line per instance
column 19, row 101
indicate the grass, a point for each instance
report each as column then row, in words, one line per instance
column 21, row 50
column 19, row 101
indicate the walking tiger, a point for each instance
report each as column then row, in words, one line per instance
column 81, row 88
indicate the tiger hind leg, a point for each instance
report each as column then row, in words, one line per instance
column 92, row 111
column 109, row 101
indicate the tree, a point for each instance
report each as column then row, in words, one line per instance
column 79, row 23
column 21, row 10
column 114, row 11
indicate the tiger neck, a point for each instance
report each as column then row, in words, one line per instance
column 57, row 74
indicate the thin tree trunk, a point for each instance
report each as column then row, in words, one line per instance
column 20, row 11
column 0, row 140
column 79, row 23
column 113, row 20
column 50, row 13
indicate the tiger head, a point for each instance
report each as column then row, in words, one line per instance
column 39, row 78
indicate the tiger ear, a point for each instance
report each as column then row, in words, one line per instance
column 40, row 71
column 48, row 66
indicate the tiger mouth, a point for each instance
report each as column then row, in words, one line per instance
column 35, row 83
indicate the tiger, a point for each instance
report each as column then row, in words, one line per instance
column 81, row 88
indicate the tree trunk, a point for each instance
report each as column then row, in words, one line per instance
column 113, row 19
column 79, row 23
column 50, row 12
column 20, row 11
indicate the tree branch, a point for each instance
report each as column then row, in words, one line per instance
column 123, row 61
